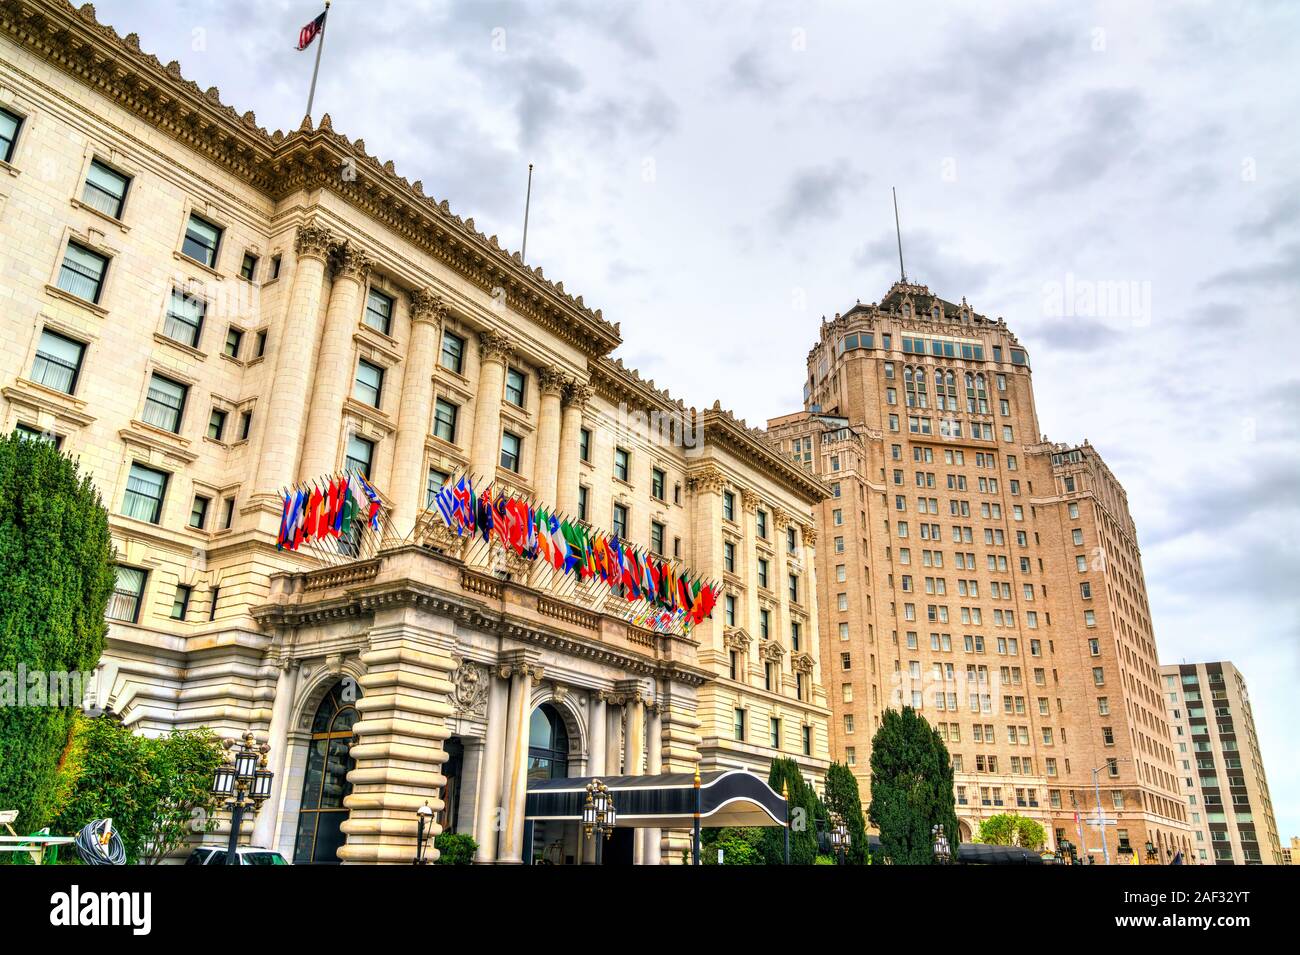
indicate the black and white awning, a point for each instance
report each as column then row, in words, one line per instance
column 666, row 801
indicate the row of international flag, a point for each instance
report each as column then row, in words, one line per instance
column 571, row 548
column 327, row 507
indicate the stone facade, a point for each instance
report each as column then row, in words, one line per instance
column 336, row 317
column 972, row 569
column 1220, row 766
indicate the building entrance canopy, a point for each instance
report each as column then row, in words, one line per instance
column 664, row 801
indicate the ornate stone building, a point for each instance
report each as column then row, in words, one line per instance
column 204, row 313
column 990, row 578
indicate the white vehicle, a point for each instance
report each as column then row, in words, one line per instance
column 247, row 855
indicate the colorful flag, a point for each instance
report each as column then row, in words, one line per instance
column 311, row 31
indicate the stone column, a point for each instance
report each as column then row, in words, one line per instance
column 523, row 672
column 335, row 368
column 653, row 852
column 704, row 487
column 781, row 573
column 277, row 738
column 487, row 804
column 405, row 709
column 749, row 525
column 416, row 412
column 546, row 456
column 634, row 752
column 566, row 494
column 485, row 451
column 598, row 724
column 295, row 344
column 812, row 630
column 613, row 735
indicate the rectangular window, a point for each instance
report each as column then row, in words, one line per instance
column 145, row 489
column 82, row 272
column 124, row 604
column 729, row 557
column 58, row 362
column 622, row 464
column 234, row 342
column 760, row 518
column 245, row 424
column 807, row 740
column 201, row 241
column 515, row 387
column 248, row 267
column 379, row 311
column 658, row 480
column 584, row 444
column 444, row 420
column 199, row 511
column 657, row 537
column 620, row 520
column 217, row 424
column 740, row 724
column 511, row 444
column 360, row 455
column 228, row 513
column 453, row 352
column 775, row 730
column 582, row 502
column 165, row 403
column 9, row 126
column 762, row 573
column 728, row 506
column 181, row 602
column 184, row 321
column 105, row 189
column 369, row 383
column 436, row 480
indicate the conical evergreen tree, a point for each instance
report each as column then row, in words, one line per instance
column 911, row 788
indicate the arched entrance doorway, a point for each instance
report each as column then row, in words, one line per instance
column 548, row 758
column 325, row 783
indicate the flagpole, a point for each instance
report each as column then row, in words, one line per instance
column 316, row 69
column 528, row 199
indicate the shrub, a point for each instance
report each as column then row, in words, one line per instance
column 455, row 848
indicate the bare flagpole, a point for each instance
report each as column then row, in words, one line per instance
column 898, row 230
column 528, row 199
column 316, row 69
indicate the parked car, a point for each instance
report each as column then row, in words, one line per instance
column 247, row 855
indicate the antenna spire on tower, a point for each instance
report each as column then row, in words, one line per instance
column 899, row 232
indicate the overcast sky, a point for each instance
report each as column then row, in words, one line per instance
column 716, row 178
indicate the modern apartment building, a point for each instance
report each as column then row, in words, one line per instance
column 1220, row 767
column 982, row 574
column 204, row 313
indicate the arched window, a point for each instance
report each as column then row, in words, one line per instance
column 325, row 783
column 548, row 744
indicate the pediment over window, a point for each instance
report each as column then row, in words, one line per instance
column 737, row 639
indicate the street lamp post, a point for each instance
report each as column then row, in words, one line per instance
column 599, row 815
column 785, row 794
column 1152, row 853
column 1065, row 852
column 942, row 851
column 244, row 781
column 423, row 829
column 1096, row 788
column 840, row 839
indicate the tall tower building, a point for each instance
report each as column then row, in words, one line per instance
column 1220, row 766
column 983, row 575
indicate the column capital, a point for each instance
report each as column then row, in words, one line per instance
column 494, row 346
column 706, row 480
column 630, row 691
column 552, row 381
column 427, row 306
column 578, row 393
column 520, row 663
column 313, row 241
column 780, row 518
column 608, row 696
column 350, row 262
column 809, row 534
column 749, row 501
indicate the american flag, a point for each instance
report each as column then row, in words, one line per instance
column 311, row 31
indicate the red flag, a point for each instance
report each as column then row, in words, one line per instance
column 313, row 511
column 311, row 31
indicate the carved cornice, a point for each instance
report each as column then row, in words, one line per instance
column 736, row 639
column 801, row 663
column 350, row 262
column 427, row 306
column 313, row 241
column 771, row 650
column 494, row 346
column 279, row 164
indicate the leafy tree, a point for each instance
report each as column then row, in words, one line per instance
column 739, row 845
column 1012, row 829
column 805, row 809
column 845, row 800
column 56, row 575
column 911, row 788
column 455, row 848
column 156, row 791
